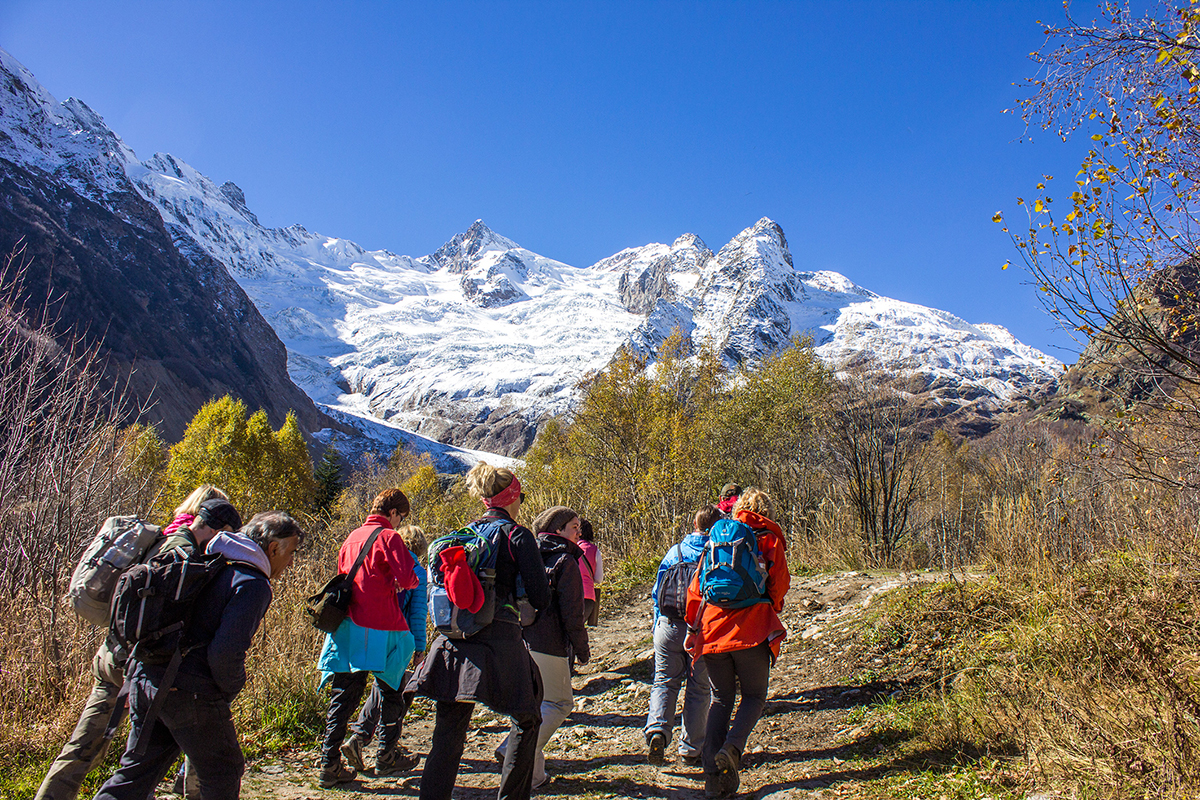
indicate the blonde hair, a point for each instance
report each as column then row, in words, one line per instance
column 484, row 480
column 414, row 537
column 756, row 501
column 191, row 503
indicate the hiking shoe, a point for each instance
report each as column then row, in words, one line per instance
column 338, row 773
column 691, row 761
column 352, row 752
column 727, row 776
column 394, row 761
column 658, row 747
column 712, row 786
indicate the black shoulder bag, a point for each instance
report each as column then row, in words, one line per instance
column 330, row 606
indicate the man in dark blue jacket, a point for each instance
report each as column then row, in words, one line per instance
column 195, row 717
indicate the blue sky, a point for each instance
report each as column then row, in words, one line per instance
column 873, row 133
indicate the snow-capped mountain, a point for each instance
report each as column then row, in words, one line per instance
column 479, row 341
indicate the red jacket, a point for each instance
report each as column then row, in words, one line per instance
column 386, row 570
column 726, row 629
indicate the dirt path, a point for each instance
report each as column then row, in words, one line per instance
column 800, row 748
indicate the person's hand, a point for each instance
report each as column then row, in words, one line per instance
column 418, row 657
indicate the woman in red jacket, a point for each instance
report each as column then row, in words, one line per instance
column 739, row 646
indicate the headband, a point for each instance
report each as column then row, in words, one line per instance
column 506, row 497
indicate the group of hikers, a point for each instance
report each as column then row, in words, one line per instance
column 510, row 606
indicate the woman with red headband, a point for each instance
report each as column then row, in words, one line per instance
column 493, row 666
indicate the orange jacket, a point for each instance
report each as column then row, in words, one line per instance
column 726, row 629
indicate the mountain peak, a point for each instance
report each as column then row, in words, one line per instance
column 464, row 248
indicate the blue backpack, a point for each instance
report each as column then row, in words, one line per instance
column 733, row 572
column 481, row 540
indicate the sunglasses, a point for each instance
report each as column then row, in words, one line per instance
column 521, row 497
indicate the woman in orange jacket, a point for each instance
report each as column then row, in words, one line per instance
column 739, row 646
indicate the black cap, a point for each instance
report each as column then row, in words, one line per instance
column 218, row 513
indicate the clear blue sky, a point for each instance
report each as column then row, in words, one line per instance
column 872, row 132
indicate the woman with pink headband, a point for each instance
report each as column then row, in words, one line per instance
column 493, row 666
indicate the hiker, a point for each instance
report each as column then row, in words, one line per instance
column 492, row 666
column 195, row 717
column 673, row 667
column 729, row 496
column 557, row 637
column 592, row 569
column 106, row 705
column 374, row 637
column 414, row 607
column 739, row 646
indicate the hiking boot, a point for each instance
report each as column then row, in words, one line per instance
column 691, row 761
column 726, row 762
column 712, row 786
column 352, row 752
column 658, row 747
column 335, row 774
column 394, row 761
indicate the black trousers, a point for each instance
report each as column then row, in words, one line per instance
column 348, row 688
column 446, row 750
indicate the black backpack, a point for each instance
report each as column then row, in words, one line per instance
column 151, row 616
column 672, row 592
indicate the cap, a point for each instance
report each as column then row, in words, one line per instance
column 218, row 513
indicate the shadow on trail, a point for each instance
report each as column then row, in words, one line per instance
column 837, row 697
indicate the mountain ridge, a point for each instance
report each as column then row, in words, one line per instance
column 479, row 342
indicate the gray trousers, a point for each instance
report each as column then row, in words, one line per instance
column 103, row 712
column 747, row 671
column 672, row 668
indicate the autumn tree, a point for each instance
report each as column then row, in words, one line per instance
column 875, row 452
column 258, row 468
column 1115, row 257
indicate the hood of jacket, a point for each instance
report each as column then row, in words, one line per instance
column 552, row 543
column 758, row 522
column 239, row 547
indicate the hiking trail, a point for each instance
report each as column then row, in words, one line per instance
column 804, row 745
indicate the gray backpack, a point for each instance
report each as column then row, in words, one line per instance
column 120, row 543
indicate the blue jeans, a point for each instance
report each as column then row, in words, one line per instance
column 672, row 666
column 201, row 727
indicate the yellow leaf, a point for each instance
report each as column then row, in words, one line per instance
column 1096, row 137
column 1163, row 55
column 1005, row 265
column 997, row 217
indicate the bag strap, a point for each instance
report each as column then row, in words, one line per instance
column 362, row 554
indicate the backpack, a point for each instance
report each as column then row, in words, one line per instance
column 152, row 604
column 733, row 573
column 672, row 592
column 481, row 541
column 151, row 615
column 120, row 543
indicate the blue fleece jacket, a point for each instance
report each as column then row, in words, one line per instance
column 414, row 604
column 689, row 549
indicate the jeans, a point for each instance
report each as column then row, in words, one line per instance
column 199, row 726
column 348, row 688
column 103, row 712
column 445, row 753
column 751, row 668
column 672, row 666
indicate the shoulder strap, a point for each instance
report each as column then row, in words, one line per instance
column 362, row 554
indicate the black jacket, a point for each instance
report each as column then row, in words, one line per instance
column 559, row 630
